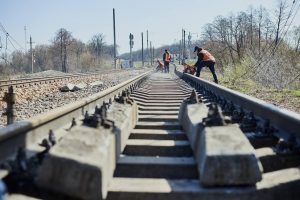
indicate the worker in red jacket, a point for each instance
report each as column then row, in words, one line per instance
column 205, row 59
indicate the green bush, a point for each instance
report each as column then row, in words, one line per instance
column 233, row 73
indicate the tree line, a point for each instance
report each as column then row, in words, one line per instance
column 257, row 45
column 65, row 53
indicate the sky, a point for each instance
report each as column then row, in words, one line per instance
column 163, row 19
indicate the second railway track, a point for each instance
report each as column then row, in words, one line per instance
column 216, row 144
column 38, row 95
column 23, row 82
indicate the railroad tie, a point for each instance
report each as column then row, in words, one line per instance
column 155, row 138
column 176, row 151
column 157, row 149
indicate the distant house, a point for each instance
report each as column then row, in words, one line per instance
column 125, row 64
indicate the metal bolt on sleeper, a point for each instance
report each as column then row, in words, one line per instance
column 73, row 123
column 229, row 108
column 10, row 99
column 51, row 136
column 267, row 129
column 214, row 117
column 249, row 123
column 45, row 144
column 193, row 98
column 237, row 115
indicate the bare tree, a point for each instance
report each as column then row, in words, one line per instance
column 76, row 49
column 296, row 38
column 19, row 61
column 255, row 46
column 41, row 57
column 63, row 38
column 96, row 45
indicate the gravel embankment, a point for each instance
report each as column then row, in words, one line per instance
column 42, row 98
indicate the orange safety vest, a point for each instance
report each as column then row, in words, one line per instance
column 167, row 57
column 207, row 56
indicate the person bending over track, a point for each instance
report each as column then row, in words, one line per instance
column 205, row 59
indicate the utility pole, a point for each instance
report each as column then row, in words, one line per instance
column 6, row 47
column 184, row 49
column 61, row 51
column 10, row 99
column 115, row 46
column 31, row 51
column 65, row 58
column 182, row 46
column 151, row 53
column 25, row 39
column 189, row 44
column 147, row 56
column 142, row 49
column 131, row 46
column 180, row 50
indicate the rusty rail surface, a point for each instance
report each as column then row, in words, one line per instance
column 24, row 133
column 287, row 122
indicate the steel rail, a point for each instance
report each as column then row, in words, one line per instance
column 286, row 121
column 26, row 132
column 21, row 80
column 17, row 82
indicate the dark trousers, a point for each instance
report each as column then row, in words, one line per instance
column 166, row 67
column 210, row 65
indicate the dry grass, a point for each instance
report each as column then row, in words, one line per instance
column 288, row 99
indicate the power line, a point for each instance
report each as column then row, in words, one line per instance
column 3, row 29
column 293, row 17
column 6, row 43
column 8, row 35
column 282, row 33
column 5, row 60
column 9, row 50
column 17, row 42
column 12, row 44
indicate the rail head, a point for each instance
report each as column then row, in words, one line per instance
column 287, row 121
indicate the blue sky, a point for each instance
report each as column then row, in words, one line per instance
column 164, row 19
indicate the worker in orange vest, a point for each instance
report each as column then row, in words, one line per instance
column 166, row 59
column 205, row 59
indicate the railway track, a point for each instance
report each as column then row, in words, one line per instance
column 23, row 82
column 32, row 98
column 150, row 143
